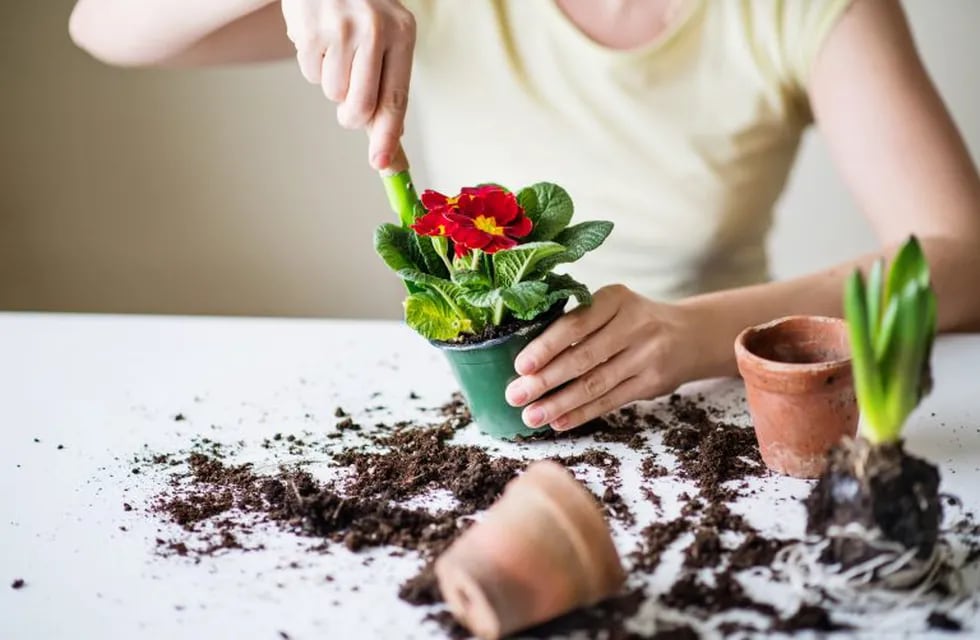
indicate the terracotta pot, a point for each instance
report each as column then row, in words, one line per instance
column 798, row 381
column 541, row 550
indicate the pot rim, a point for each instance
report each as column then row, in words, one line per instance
column 743, row 354
column 544, row 318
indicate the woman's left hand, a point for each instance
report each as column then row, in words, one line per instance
column 622, row 348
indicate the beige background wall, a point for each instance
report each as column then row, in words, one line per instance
column 234, row 192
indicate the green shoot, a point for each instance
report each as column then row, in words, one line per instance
column 891, row 324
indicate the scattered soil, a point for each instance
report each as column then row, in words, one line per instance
column 419, row 460
column 605, row 462
column 711, row 453
column 651, row 469
column 692, row 594
column 655, row 538
column 422, row 589
column 217, row 504
column 683, row 632
column 705, row 551
column 941, row 621
column 879, row 487
column 809, row 617
column 18, row 584
column 756, row 551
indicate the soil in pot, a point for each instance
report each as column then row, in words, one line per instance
column 890, row 496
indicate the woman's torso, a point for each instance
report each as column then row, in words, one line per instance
column 685, row 143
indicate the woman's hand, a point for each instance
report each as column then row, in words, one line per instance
column 623, row 347
column 360, row 53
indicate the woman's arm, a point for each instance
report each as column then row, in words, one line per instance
column 358, row 51
column 180, row 32
column 898, row 151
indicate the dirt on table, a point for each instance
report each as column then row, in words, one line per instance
column 217, row 503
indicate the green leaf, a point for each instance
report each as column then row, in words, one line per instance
column 875, row 295
column 524, row 297
column 486, row 299
column 528, row 201
column 909, row 264
column 552, row 211
column 393, row 244
column 867, row 382
column 472, row 280
column 424, row 255
column 449, row 290
column 902, row 395
column 578, row 240
column 431, row 316
column 563, row 286
column 511, row 265
column 558, row 287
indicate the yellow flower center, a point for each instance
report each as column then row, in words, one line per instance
column 488, row 225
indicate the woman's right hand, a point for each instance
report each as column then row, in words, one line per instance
column 360, row 53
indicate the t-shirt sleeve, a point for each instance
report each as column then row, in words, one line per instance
column 805, row 25
column 421, row 9
column 786, row 37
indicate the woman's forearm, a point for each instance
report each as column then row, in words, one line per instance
column 181, row 32
column 955, row 268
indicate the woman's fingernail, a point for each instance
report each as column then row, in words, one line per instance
column 524, row 366
column 516, row 395
column 381, row 160
column 533, row 417
column 559, row 423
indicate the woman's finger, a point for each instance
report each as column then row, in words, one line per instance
column 336, row 70
column 627, row 391
column 594, row 384
column 361, row 101
column 310, row 63
column 571, row 363
column 389, row 118
column 568, row 330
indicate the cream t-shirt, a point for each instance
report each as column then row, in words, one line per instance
column 685, row 144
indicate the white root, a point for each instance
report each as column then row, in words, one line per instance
column 893, row 584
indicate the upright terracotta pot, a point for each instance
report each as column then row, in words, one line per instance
column 541, row 550
column 798, row 381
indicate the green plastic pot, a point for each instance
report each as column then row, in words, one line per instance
column 483, row 371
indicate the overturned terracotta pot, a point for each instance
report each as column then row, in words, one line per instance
column 541, row 550
column 800, row 389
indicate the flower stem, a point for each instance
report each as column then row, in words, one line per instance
column 498, row 313
column 475, row 264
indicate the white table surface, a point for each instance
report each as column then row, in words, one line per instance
column 105, row 386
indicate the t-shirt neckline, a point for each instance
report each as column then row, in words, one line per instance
column 684, row 11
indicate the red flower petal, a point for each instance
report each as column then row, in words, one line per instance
column 482, row 190
column 433, row 199
column 500, row 243
column 471, row 237
column 520, row 227
column 433, row 223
